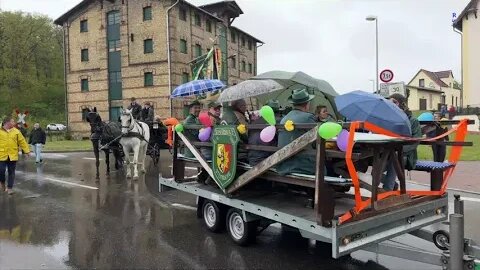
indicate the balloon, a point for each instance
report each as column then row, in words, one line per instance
column 342, row 140
column 426, row 116
column 267, row 113
column 268, row 134
column 329, row 130
column 241, row 129
column 289, row 125
column 205, row 119
column 204, row 134
column 179, row 128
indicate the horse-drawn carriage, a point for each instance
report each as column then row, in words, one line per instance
column 107, row 136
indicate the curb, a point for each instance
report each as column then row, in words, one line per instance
column 67, row 151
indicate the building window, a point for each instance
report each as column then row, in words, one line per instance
column 182, row 14
column 452, row 100
column 198, row 20
column 198, row 50
column 185, row 77
column 234, row 62
column 250, row 68
column 114, row 45
column 250, row 45
column 233, row 37
column 148, row 46
column 421, row 83
column 456, row 101
column 244, row 66
column 243, row 41
column 148, row 78
column 113, row 18
column 209, row 26
column 84, row 55
column 183, row 46
column 115, row 77
column 84, row 114
column 84, row 26
column 147, row 13
column 84, row 85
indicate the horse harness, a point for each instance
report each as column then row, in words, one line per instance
column 138, row 135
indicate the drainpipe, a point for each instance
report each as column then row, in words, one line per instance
column 65, row 74
column 169, row 58
column 461, row 68
column 255, row 57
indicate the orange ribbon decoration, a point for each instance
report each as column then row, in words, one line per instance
column 461, row 132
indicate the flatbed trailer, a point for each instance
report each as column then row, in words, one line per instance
column 246, row 212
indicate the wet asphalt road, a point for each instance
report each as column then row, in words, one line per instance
column 60, row 218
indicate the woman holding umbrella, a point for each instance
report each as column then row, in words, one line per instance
column 409, row 151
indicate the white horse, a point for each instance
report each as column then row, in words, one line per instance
column 135, row 139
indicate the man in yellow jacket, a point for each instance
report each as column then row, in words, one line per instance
column 10, row 140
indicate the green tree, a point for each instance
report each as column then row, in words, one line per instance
column 31, row 66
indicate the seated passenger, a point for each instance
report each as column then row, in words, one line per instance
column 302, row 162
column 256, row 156
column 192, row 119
column 321, row 112
column 214, row 110
column 237, row 115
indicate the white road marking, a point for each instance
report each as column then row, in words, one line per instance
column 69, row 183
column 179, row 205
column 91, row 158
column 188, row 168
column 470, row 199
column 54, row 155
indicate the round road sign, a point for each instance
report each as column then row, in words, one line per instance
column 386, row 75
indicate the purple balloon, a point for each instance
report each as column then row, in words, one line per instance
column 342, row 140
column 204, row 134
column 268, row 134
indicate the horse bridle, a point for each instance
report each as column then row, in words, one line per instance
column 133, row 122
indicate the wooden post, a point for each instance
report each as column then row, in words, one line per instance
column 324, row 195
column 178, row 166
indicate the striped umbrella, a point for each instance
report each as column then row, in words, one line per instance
column 197, row 87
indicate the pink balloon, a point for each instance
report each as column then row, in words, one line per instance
column 342, row 140
column 205, row 119
column 268, row 134
column 204, row 134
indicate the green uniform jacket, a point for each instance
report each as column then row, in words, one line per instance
column 410, row 151
column 192, row 135
column 301, row 162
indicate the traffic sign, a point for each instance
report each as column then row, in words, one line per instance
column 386, row 75
column 387, row 89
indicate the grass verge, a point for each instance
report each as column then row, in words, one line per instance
column 68, row 146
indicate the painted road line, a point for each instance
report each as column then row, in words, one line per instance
column 470, row 199
column 92, row 158
column 451, row 189
column 179, row 205
column 69, row 183
column 188, row 168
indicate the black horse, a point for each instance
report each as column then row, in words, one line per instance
column 101, row 135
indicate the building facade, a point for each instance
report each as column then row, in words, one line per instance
column 468, row 23
column 118, row 49
column 430, row 90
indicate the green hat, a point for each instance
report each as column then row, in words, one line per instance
column 274, row 104
column 195, row 102
column 214, row 104
column 300, row 96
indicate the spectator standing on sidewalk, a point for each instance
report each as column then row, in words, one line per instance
column 37, row 140
column 10, row 140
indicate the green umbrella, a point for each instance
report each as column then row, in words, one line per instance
column 323, row 91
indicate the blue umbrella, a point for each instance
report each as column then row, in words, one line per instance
column 197, row 87
column 373, row 108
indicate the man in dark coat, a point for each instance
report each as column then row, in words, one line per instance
column 135, row 108
column 37, row 140
column 256, row 156
column 147, row 114
column 302, row 162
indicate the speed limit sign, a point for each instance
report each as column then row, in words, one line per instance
column 386, row 75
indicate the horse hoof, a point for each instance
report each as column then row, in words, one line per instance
column 135, row 178
column 143, row 171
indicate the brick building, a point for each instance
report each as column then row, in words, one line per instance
column 118, row 49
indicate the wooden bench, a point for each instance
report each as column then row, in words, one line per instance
column 436, row 170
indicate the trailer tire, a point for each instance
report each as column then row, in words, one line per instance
column 241, row 232
column 213, row 216
column 441, row 239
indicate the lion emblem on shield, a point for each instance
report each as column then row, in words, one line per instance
column 224, row 152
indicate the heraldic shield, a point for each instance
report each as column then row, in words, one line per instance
column 225, row 140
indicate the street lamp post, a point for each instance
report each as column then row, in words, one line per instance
column 373, row 85
column 374, row 18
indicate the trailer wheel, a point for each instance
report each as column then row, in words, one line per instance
column 212, row 216
column 241, row 232
column 441, row 239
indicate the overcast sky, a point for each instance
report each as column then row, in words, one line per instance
column 331, row 40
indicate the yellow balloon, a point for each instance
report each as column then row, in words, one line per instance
column 289, row 125
column 241, row 129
